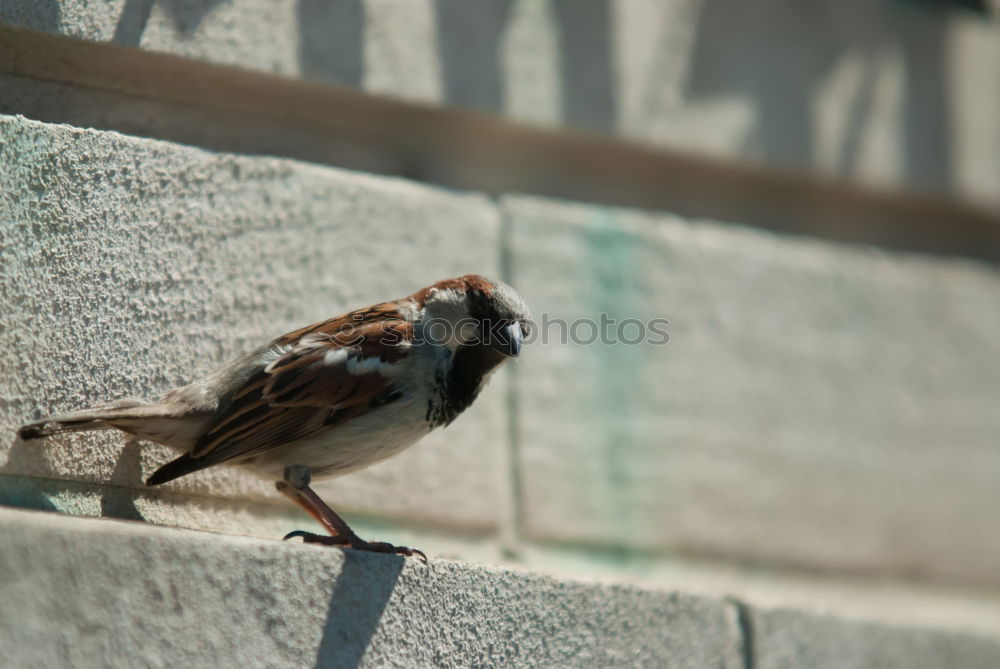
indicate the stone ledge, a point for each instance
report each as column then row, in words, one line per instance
column 264, row 519
column 90, row 592
column 789, row 638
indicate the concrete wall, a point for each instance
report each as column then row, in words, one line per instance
column 816, row 405
column 880, row 92
column 820, row 405
column 818, row 434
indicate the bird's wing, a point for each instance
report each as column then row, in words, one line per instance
column 323, row 376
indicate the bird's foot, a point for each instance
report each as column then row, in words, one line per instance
column 310, row 538
column 357, row 544
column 383, row 547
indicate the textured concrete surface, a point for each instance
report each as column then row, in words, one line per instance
column 821, row 406
column 895, row 601
column 877, row 91
column 785, row 639
column 132, row 266
column 83, row 592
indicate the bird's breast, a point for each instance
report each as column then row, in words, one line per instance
column 352, row 445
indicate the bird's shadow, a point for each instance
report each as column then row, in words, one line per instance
column 30, row 482
column 358, row 600
column 26, row 478
column 118, row 501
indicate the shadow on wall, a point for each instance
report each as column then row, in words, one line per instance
column 359, row 598
column 21, row 492
column 586, row 70
column 331, row 40
column 37, row 490
column 43, row 15
column 186, row 16
column 470, row 36
column 777, row 59
column 470, row 39
column 777, row 56
column 132, row 22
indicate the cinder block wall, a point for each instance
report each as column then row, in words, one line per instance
column 820, row 431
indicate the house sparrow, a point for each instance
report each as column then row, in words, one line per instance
column 332, row 397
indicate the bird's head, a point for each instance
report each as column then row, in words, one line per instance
column 473, row 311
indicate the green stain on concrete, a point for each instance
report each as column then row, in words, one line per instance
column 612, row 260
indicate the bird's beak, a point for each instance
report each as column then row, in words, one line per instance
column 508, row 339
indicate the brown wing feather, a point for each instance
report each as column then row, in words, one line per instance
column 306, row 390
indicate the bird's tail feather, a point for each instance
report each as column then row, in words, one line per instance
column 90, row 419
column 174, row 469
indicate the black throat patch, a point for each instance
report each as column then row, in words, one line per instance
column 458, row 387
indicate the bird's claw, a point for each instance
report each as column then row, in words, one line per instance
column 357, row 544
column 311, row 538
column 383, row 547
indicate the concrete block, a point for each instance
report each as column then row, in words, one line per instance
column 860, row 94
column 880, row 92
column 824, row 406
column 383, row 47
column 787, row 638
column 132, row 266
column 84, row 592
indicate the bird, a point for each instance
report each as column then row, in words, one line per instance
column 330, row 398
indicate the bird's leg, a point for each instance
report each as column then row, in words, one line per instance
column 296, row 481
column 296, row 487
